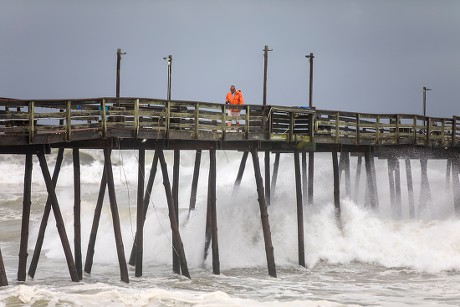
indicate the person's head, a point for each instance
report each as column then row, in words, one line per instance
column 232, row 88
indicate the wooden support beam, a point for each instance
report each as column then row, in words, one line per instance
column 3, row 279
column 425, row 192
column 196, row 174
column 335, row 165
column 175, row 195
column 371, row 190
column 376, row 202
column 456, row 184
column 344, row 166
column 58, row 217
column 397, row 171
column 267, row 177
column 264, row 215
column 147, row 195
column 311, row 175
column 213, row 211
column 77, row 211
column 177, row 241
column 95, row 226
column 276, row 165
column 304, row 178
column 115, row 217
column 300, row 228
column 240, row 172
column 391, row 179
column 208, row 234
column 358, row 178
column 448, row 171
column 45, row 217
column 26, row 203
column 410, row 188
column 140, row 214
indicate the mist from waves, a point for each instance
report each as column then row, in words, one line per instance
column 425, row 244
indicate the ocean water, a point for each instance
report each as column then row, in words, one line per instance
column 375, row 260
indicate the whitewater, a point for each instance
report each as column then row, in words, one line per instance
column 375, row 260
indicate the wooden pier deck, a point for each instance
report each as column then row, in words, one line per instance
column 33, row 127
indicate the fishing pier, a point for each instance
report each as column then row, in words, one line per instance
column 34, row 127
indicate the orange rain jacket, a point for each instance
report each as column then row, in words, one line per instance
column 236, row 98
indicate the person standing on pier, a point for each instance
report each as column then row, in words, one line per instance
column 234, row 97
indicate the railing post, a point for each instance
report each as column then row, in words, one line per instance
column 197, row 119
column 291, row 127
column 454, row 127
column 414, row 130
column 397, row 129
column 224, row 124
column 443, row 127
column 357, row 128
column 103, row 119
column 31, row 121
column 68, row 119
column 377, row 130
column 247, row 122
column 136, row 116
column 168, row 117
column 337, row 129
column 428, row 131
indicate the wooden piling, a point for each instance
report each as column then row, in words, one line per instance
column 448, row 171
column 335, row 165
column 264, row 215
column 58, row 217
column 410, row 188
column 371, row 191
column 140, row 214
column 425, row 192
column 115, row 217
column 304, row 179
column 240, row 172
column 208, row 234
column 276, row 165
column 3, row 278
column 358, row 178
column 26, row 203
column 177, row 241
column 95, row 225
column 196, row 174
column 456, row 184
column 344, row 166
column 397, row 175
column 267, row 177
column 77, row 211
column 311, row 175
column 147, row 195
column 300, row 226
column 175, row 195
column 213, row 211
column 45, row 217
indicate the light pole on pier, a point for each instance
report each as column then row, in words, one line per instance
column 119, row 54
column 425, row 89
column 169, row 60
column 310, row 91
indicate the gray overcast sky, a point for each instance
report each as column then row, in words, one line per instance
column 370, row 55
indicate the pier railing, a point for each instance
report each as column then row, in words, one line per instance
column 385, row 129
column 51, row 121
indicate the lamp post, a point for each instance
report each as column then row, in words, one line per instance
column 425, row 89
column 169, row 60
column 264, row 126
column 310, row 92
column 119, row 54
column 308, row 186
column 266, row 50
